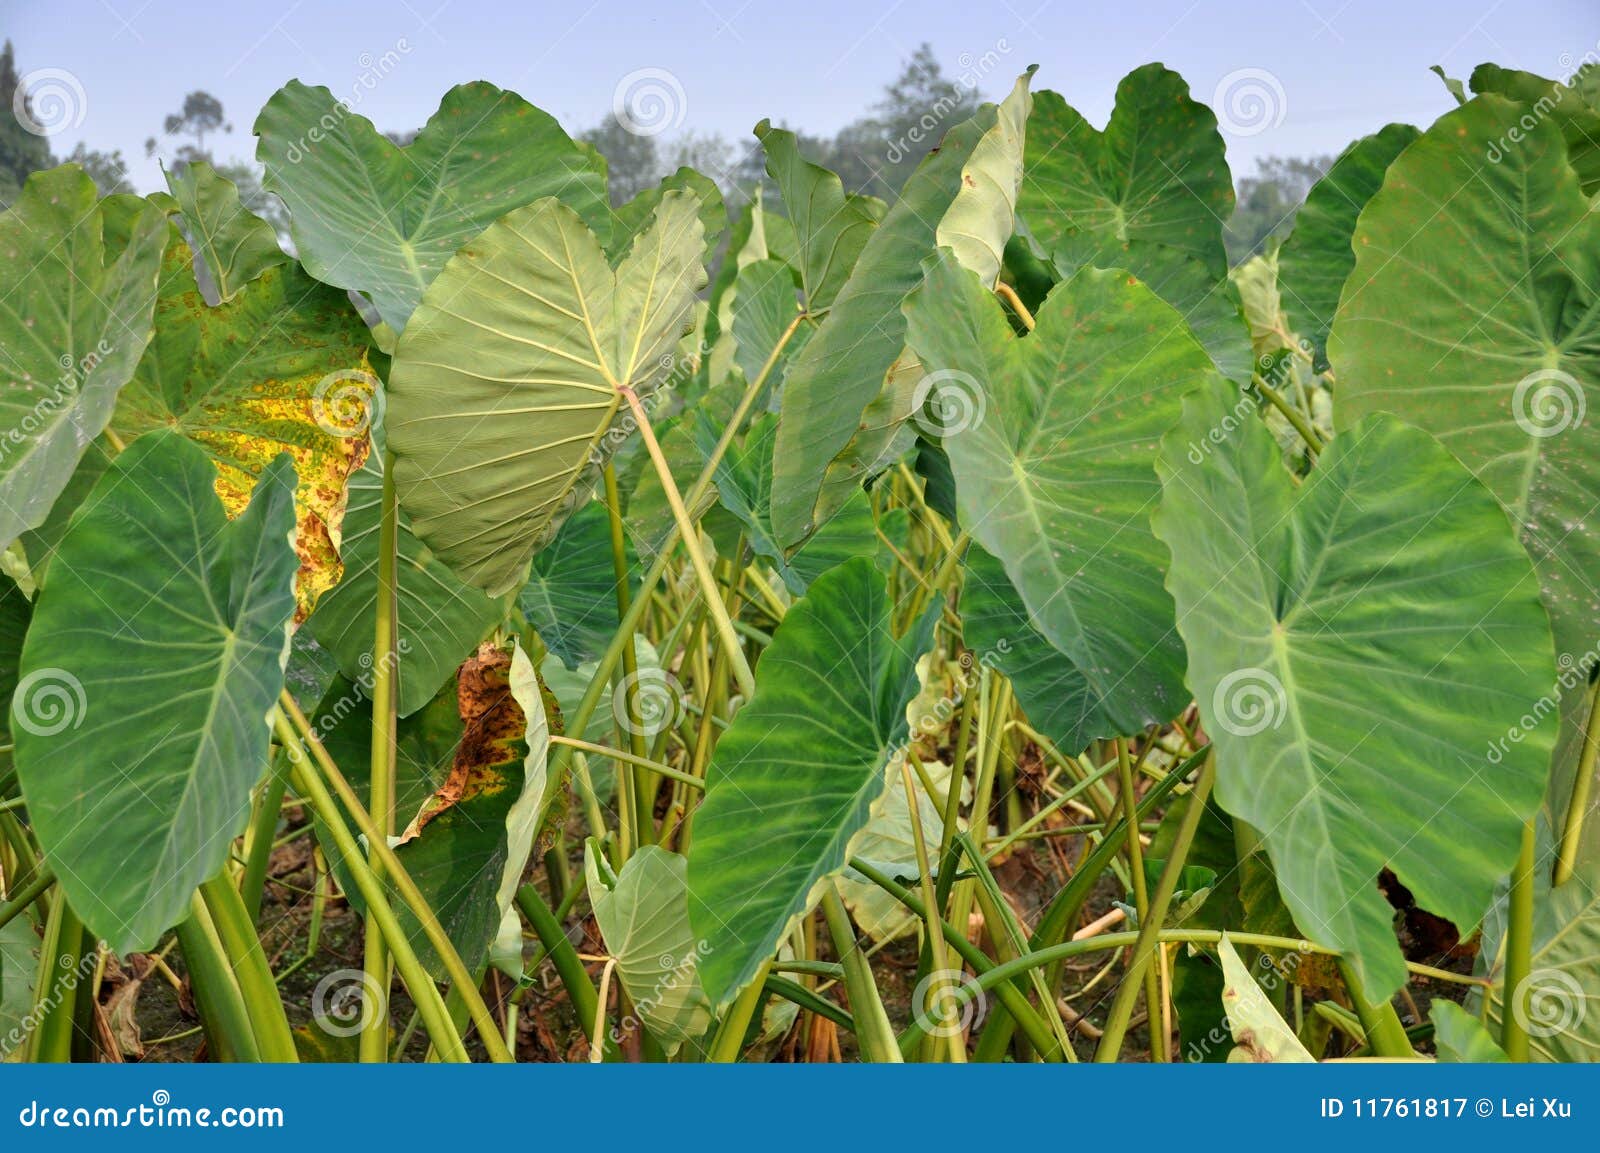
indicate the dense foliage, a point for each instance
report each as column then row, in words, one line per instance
column 977, row 625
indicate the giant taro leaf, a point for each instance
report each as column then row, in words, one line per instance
column 1359, row 648
column 506, row 382
column 440, row 620
column 1473, row 312
column 282, row 367
column 854, row 353
column 77, row 293
column 1317, row 257
column 1149, row 195
column 233, row 244
column 831, row 227
column 1156, row 176
column 794, row 778
column 383, row 220
column 1054, row 461
column 155, row 657
column 1572, row 105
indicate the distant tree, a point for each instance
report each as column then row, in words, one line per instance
column 21, row 152
column 1268, row 201
column 877, row 153
column 200, row 116
column 633, row 161
column 709, row 153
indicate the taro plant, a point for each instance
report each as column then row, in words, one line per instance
column 981, row 626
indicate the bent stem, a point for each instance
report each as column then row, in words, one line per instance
column 709, row 589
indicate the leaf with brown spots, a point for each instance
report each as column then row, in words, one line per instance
column 280, row 368
column 469, row 830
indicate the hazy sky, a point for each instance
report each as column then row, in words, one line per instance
column 1328, row 70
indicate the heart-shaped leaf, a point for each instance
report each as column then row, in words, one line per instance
column 384, row 220
column 155, row 656
column 1359, row 648
column 1156, row 176
column 77, row 292
column 506, row 383
column 1474, row 312
column 571, row 594
column 1053, row 438
column 790, row 782
column 831, row 227
column 858, row 353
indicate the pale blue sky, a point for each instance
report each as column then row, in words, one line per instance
column 1344, row 67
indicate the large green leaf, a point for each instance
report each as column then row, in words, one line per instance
column 796, row 775
column 76, row 300
column 1474, row 312
column 1054, row 456
column 850, row 359
column 234, row 245
column 1317, row 257
column 643, row 916
column 635, row 216
column 282, row 367
column 1572, row 105
column 507, row 380
column 1209, row 304
column 440, row 619
column 1156, row 176
column 1556, row 1002
column 571, row 594
column 762, row 308
column 983, row 215
column 1358, row 647
column 383, row 220
column 831, row 227
column 156, row 654
column 1053, row 693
